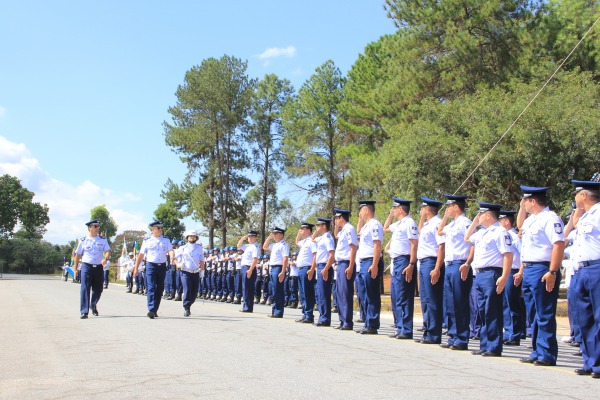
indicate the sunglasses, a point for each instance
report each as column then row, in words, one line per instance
column 95, row 225
column 159, row 227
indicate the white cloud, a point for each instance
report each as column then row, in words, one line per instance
column 69, row 204
column 274, row 52
column 2, row 111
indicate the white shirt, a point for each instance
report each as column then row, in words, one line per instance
column 155, row 249
column 230, row 262
column 456, row 247
column 91, row 249
column 293, row 268
column 403, row 232
column 324, row 244
column 540, row 232
column 429, row 240
column 346, row 237
column 190, row 256
column 107, row 266
column 369, row 233
column 490, row 246
column 306, row 251
column 278, row 252
column 516, row 248
column 250, row 253
column 587, row 240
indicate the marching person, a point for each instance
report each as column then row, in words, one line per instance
column 345, row 256
column 322, row 266
column 280, row 253
column 371, row 264
column 403, row 251
column 248, row 272
column 587, row 289
column 492, row 257
column 457, row 290
column 542, row 251
column 306, row 276
column 92, row 250
column 190, row 261
column 155, row 249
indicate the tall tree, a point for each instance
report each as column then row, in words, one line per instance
column 313, row 134
column 170, row 216
column 108, row 226
column 17, row 206
column 265, row 137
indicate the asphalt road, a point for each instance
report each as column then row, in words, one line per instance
column 47, row 352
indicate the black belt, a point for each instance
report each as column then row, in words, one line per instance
column 583, row 264
column 92, row 265
column 426, row 258
column 529, row 264
column 158, row 264
column 489, row 269
column 306, row 266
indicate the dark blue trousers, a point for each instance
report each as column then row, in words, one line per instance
column 372, row 298
column 293, row 288
column 572, row 309
column 512, row 309
column 456, row 296
column 307, row 293
column 361, row 295
column 248, row 287
column 190, row 281
column 490, row 306
column 169, row 280
column 129, row 280
column 258, row 286
column 334, row 292
column 432, row 299
column 324, row 289
column 403, row 296
column 213, row 283
column 541, row 306
column 587, row 306
column 475, row 322
column 91, row 280
column 286, row 289
column 105, row 273
column 155, row 276
column 278, row 301
column 230, row 292
column 345, row 294
column 238, row 281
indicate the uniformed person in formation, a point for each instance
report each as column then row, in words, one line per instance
column 345, row 256
column 306, row 252
column 542, row 246
column 155, row 249
column 129, row 278
column 190, row 261
column 238, row 279
column 430, row 253
column 178, row 283
column 280, row 253
column 322, row 266
column 587, row 289
column 249, row 269
column 371, row 264
column 92, row 250
column 456, row 289
column 106, row 270
column 403, row 251
column 170, row 276
column 492, row 257
column 293, row 282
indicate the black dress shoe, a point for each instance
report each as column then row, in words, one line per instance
column 335, row 309
column 512, row 343
column 337, row 327
column 368, row 331
column 459, row 347
column 427, row 341
column 393, row 335
column 360, row 321
column 477, row 352
column 574, row 344
column 544, row 363
column 300, row 320
column 308, row 321
column 150, row 315
column 418, row 340
column 404, row 336
column 186, row 313
column 346, row 328
column 583, row 371
column 445, row 345
column 421, row 329
column 274, row 316
column 95, row 312
column 83, row 316
column 527, row 360
column 596, row 375
column 492, row 354
column 319, row 323
column 248, row 311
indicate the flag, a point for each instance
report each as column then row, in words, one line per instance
column 73, row 252
column 124, row 249
column 135, row 248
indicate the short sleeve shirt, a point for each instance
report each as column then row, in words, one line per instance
column 346, row 237
column 540, row 232
column 324, row 244
column 587, row 239
column 306, row 251
column 278, row 252
column 369, row 233
column 429, row 240
column 456, row 248
column 156, row 249
column 91, row 249
column 190, row 256
column 403, row 232
column 250, row 253
column 490, row 246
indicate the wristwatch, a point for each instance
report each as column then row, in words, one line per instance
column 553, row 272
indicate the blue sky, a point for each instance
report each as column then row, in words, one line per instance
column 85, row 87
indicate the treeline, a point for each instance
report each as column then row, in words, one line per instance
column 22, row 255
column 414, row 116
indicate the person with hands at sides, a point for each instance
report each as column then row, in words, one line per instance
column 155, row 249
column 345, row 256
column 190, row 261
column 430, row 253
column 249, row 262
column 491, row 255
column 322, row 264
column 280, row 253
column 542, row 251
column 307, row 251
column 371, row 264
column 402, row 248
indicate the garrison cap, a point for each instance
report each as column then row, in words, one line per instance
column 483, row 207
column 305, row 224
column 585, row 185
column 277, row 229
column 507, row 213
column 528, row 191
column 430, row 202
column 94, row 221
column 157, row 223
column 321, row 221
column 451, row 199
column 400, row 202
column 362, row 203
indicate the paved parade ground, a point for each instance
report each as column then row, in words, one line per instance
column 47, row 352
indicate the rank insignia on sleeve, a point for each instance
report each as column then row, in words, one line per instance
column 507, row 240
column 558, row 228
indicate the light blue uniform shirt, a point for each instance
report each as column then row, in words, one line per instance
column 189, row 257
column 490, row 246
column 346, row 237
column 369, row 233
column 91, row 249
column 250, row 252
column 278, row 252
column 540, row 232
column 456, row 247
column 156, row 249
column 516, row 248
column 324, row 244
column 402, row 233
column 429, row 240
column 587, row 240
column 306, row 251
